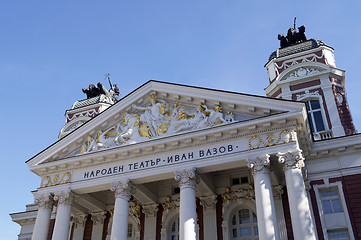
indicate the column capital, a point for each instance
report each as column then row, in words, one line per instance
column 291, row 159
column 98, row 217
column 259, row 164
column 44, row 200
column 64, row 197
column 122, row 189
column 79, row 220
column 150, row 210
column 187, row 178
column 209, row 202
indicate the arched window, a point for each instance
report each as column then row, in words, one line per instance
column 315, row 115
column 244, row 225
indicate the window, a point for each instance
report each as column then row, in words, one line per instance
column 130, row 230
column 339, row 234
column 174, row 232
column 330, row 200
column 244, row 225
column 315, row 115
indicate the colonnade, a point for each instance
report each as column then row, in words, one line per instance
column 267, row 221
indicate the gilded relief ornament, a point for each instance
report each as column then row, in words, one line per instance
column 55, row 180
column 158, row 118
column 256, row 141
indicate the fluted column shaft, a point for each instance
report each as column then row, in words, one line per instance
column 121, row 210
column 266, row 213
column 187, row 213
column 63, row 214
column 45, row 206
column 301, row 219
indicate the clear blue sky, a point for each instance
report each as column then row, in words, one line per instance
column 50, row 50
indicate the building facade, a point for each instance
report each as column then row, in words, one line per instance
column 170, row 161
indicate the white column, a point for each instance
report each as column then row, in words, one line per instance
column 266, row 213
column 98, row 221
column 121, row 210
column 209, row 216
column 301, row 219
column 150, row 223
column 45, row 206
column 79, row 224
column 63, row 214
column 187, row 212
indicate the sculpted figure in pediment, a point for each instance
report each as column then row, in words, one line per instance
column 157, row 119
column 152, row 116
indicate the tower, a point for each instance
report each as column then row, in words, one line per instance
column 305, row 70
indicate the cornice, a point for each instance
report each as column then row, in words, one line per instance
column 176, row 142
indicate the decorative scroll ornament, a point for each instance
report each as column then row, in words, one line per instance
column 56, row 180
column 150, row 210
column 134, row 209
column 187, row 178
column 159, row 118
column 170, row 204
column 44, row 201
column 255, row 141
column 241, row 193
column 64, row 197
column 259, row 165
column 291, row 160
column 302, row 72
column 122, row 189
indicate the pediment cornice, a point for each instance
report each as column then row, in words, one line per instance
column 249, row 109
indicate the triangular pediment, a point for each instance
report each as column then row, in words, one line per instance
column 157, row 110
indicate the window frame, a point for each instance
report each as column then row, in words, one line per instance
column 310, row 113
column 338, row 186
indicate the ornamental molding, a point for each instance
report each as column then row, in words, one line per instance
column 170, row 208
column 259, row 165
column 150, row 210
column 269, row 139
column 134, row 209
column 308, row 94
column 122, row 189
column 187, row 178
column 234, row 198
column 89, row 114
column 302, row 72
column 309, row 58
column 44, row 200
column 98, row 217
column 79, row 220
column 56, row 179
column 64, row 197
column 291, row 160
column 208, row 203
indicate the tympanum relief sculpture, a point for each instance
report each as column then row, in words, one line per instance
column 158, row 118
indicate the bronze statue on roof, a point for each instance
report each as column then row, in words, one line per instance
column 94, row 91
column 293, row 37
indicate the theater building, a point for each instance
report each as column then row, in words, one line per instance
column 170, row 161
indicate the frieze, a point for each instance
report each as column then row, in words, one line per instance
column 256, row 141
column 55, row 180
column 158, row 118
